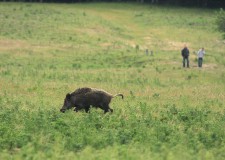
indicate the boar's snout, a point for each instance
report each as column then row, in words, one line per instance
column 62, row 110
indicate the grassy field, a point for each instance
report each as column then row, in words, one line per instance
column 169, row 112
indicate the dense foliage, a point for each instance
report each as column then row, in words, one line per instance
column 196, row 3
column 221, row 21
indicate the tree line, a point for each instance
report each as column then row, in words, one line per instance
column 188, row 3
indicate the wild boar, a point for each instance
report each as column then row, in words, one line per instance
column 87, row 98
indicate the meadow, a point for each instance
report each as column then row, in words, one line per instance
column 169, row 112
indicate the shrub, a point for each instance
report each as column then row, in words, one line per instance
column 220, row 21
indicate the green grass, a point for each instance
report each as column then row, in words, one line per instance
column 48, row 50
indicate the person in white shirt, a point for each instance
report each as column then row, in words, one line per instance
column 200, row 54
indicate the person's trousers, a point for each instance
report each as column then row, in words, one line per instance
column 200, row 62
column 185, row 59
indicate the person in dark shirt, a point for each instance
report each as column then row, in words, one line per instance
column 185, row 55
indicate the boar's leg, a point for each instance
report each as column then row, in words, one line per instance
column 87, row 109
column 111, row 110
column 107, row 109
column 104, row 107
column 77, row 108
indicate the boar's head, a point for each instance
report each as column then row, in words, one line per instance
column 67, row 103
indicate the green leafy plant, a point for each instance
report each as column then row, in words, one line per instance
column 220, row 21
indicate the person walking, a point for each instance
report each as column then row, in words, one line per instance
column 200, row 54
column 185, row 55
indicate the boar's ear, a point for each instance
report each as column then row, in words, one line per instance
column 68, row 96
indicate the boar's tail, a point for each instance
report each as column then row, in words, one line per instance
column 119, row 94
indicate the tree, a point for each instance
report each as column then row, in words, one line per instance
column 220, row 21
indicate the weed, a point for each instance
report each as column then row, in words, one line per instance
column 156, row 95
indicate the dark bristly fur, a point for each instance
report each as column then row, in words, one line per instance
column 83, row 90
column 84, row 98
